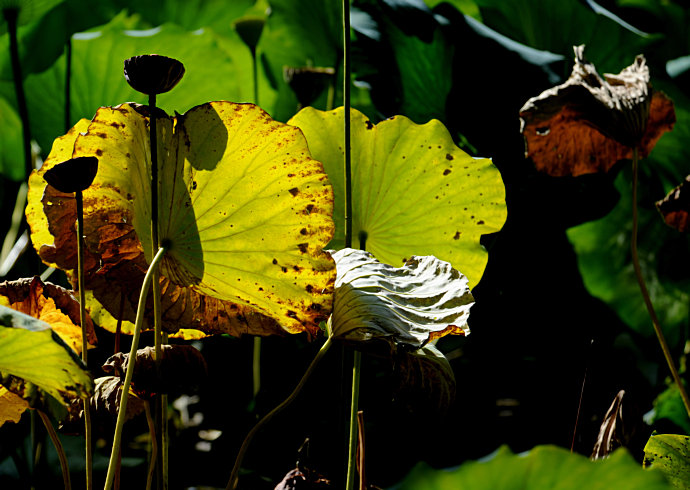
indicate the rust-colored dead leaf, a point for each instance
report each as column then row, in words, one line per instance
column 675, row 207
column 11, row 406
column 588, row 123
column 609, row 433
column 50, row 303
column 183, row 368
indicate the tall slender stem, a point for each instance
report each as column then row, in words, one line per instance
column 354, row 430
column 11, row 16
column 645, row 292
column 141, row 307
column 84, row 334
column 58, row 448
column 154, row 444
column 346, row 107
column 232, row 482
column 68, row 84
column 161, row 408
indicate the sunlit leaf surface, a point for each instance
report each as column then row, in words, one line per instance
column 414, row 191
column 412, row 305
column 30, row 350
column 543, row 468
column 670, row 453
column 244, row 210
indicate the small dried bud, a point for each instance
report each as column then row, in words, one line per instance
column 153, row 74
column 249, row 29
column 307, row 82
column 73, row 175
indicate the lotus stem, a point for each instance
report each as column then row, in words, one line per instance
column 232, row 482
column 256, row 354
column 11, row 16
column 64, row 466
column 68, row 84
column 346, row 107
column 354, row 432
column 141, row 307
column 154, row 444
column 645, row 293
column 84, row 334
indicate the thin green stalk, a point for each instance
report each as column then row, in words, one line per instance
column 232, row 482
column 154, row 444
column 84, row 334
column 346, row 107
column 141, row 306
column 11, row 16
column 645, row 292
column 161, row 409
column 354, row 432
column 255, row 75
column 68, row 84
column 58, row 447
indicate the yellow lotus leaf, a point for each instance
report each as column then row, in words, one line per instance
column 244, row 211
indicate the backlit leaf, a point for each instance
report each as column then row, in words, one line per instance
column 670, row 453
column 32, row 351
column 414, row 191
column 543, row 468
column 411, row 305
column 244, row 209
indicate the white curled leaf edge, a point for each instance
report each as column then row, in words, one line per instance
column 408, row 306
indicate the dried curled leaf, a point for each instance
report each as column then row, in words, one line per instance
column 409, row 306
column 52, row 304
column 609, row 438
column 11, row 406
column 587, row 124
column 244, row 209
column 675, row 207
column 182, row 369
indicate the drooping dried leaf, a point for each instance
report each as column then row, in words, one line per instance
column 675, row 207
column 244, row 209
column 409, row 306
column 426, row 382
column 105, row 406
column 52, row 304
column 183, row 369
column 32, row 354
column 588, row 123
column 608, row 438
column 11, row 406
column 303, row 479
column 414, row 192
column 670, row 453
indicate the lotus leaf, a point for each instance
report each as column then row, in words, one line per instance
column 670, row 453
column 543, row 468
column 413, row 190
column 244, row 211
column 411, row 305
column 11, row 406
column 32, row 351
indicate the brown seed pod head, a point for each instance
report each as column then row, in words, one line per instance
column 73, row 175
column 249, row 29
column 153, row 74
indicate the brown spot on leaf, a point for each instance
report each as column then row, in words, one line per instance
column 446, row 171
column 456, row 236
column 303, row 231
column 303, row 247
column 369, row 124
column 449, row 156
column 480, row 222
column 294, row 191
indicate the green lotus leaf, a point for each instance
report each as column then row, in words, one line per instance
column 543, row 468
column 670, row 453
column 669, row 405
column 32, row 351
column 214, row 72
column 11, row 151
column 413, row 191
column 411, row 305
column 244, row 210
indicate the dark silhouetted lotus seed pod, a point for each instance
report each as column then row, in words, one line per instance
column 249, row 29
column 73, row 175
column 307, row 82
column 152, row 73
